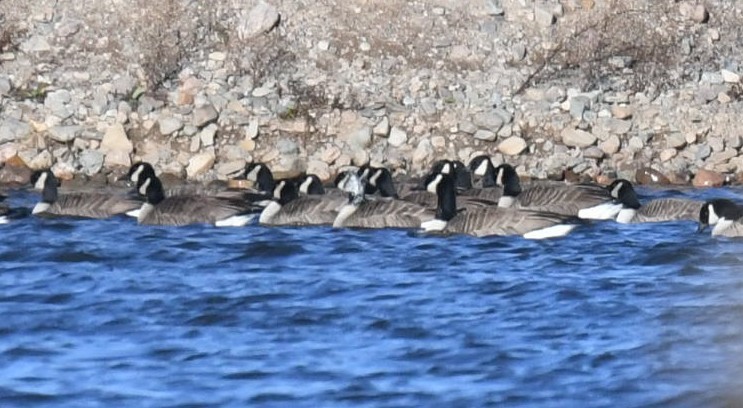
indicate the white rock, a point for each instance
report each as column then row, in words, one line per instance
column 37, row 43
column 730, row 76
column 200, row 164
column 13, row 129
column 323, row 45
column 485, row 135
column 398, row 137
column 382, row 128
column 204, row 115
column 116, row 140
column 261, row 19
column 319, row 168
column 577, row 138
column 169, row 124
column 512, row 146
column 65, row 134
column 261, row 92
column 207, row 135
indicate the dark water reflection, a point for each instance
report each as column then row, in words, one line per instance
column 105, row 313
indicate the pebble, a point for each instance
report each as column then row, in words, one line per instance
column 207, row 135
column 64, row 134
column 708, row 178
column 261, row 19
column 491, row 121
column 169, row 125
column 649, row 176
column 512, row 146
column 485, row 135
column 382, row 129
column 204, row 115
column 611, row 145
column 730, row 76
column 13, row 129
column 398, row 137
column 199, row 164
column 91, row 161
column 577, row 138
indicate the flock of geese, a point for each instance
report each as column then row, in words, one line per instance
column 479, row 199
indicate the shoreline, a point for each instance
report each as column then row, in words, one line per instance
column 323, row 102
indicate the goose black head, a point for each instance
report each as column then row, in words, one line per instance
column 482, row 168
column 714, row 211
column 47, row 183
column 152, row 189
column 455, row 168
column 139, row 171
column 311, row 185
column 443, row 186
column 261, row 176
column 381, row 179
column 506, row 177
column 622, row 191
column 285, row 191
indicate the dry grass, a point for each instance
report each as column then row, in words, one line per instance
column 633, row 41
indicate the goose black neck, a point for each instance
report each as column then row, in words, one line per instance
column 446, row 193
column 49, row 193
column 509, row 179
column 385, row 185
column 155, row 193
column 265, row 180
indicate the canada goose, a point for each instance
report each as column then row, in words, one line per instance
column 359, row 212
column 483, row 170
column 310, row 184
column 189, row 209
column 584, row 200
column 490, row 220
column 141, row 170
column 461, row 178
column 658, row 210
column 291, row 208
column 725, row 215
column 79, row 204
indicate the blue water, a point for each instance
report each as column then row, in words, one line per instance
column 107, row 313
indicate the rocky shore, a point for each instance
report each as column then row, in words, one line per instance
column 645, row 90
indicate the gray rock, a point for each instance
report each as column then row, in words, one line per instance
column 543, row 16
column 467, row 127
column 703, row 151
column 485, row 135
column 13, row 129
column 231, row 168
column 36, row 43
column 65, row 134
column 382, row 128
column 124, row 85
column 733, row 141
column 360, row 138
column 5, row 85
column 204, row 115
column 287, row 146
column 493, row 8
column 593, row 152
column 577, row 138
column 207, row 135
column 148, row 104
column 492, row 121
column 57, row 102
column 675, row 140
column 91, row 161
column 578, row 105
column 714, row 78
column 398, row 137
column 169, row 125
column 261, row 19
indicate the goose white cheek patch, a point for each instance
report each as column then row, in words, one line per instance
column 482, row 168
